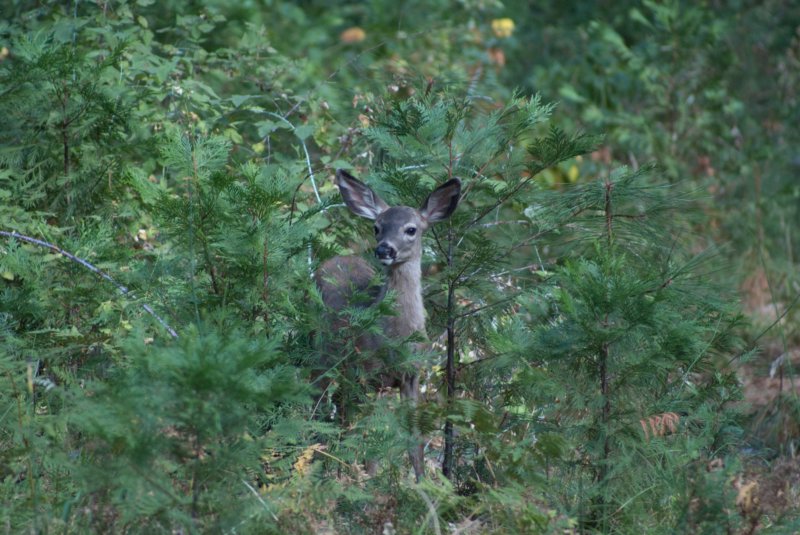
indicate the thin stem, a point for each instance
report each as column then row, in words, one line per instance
column 609, row 215
column 602, row 473
column 450, row 367
column 432, row 514
column 305, row 150
column 509, row 222
column 28, row 446
column 122, row 289
column 65, row 143
column 265, row 293
column 474, row 311
column 194, row 484
column 604, row 391
column 212, row 271
column 260, row 500
column 786, row 310
column 311, row 173
column 512, row 192
column 192, row 259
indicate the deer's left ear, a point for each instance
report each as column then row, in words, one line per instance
column 359, row 197
column 442, row 201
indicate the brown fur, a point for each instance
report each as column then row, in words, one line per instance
column 343, row 279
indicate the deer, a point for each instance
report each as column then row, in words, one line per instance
column 398, row 236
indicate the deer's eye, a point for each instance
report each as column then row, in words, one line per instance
column 410, row 231
column 376, row 229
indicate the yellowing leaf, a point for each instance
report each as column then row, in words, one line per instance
column 353, row 35
column 573, row 173
column 747, row 497
column 303, row 462
column 503, row 27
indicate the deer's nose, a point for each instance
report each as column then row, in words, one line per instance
column 385, row 251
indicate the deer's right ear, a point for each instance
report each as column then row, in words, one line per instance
column 442, row 201
column 359, row 197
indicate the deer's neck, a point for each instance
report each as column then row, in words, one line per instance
column 406, row 281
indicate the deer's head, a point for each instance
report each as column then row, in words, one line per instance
column 398, row 229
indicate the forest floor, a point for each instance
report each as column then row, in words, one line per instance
column 771, row 387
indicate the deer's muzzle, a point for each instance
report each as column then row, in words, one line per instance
column 386, row 253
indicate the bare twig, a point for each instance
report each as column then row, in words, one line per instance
column 432, row 514
column 768, row 328
column 311, row 173
column 474, row 311
column 260, row 500
column 509, row 222
column 305, row 150
column 123, row 290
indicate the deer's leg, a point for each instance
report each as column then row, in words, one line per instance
column 409, row 390
column 371, row 466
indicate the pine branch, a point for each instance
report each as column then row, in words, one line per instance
column 123, row 290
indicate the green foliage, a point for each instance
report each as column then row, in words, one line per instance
column 172, row 430
column 696, row 90
column 170, row 377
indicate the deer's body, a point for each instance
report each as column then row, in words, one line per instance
column 344, row 281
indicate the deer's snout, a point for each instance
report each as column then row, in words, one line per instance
column 385, row 253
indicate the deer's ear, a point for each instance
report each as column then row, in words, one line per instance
column 359, row 197
column 442, row 201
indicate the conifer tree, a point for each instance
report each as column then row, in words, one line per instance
column 624, row 338
column 497, row 154
column 575, row 355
